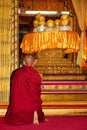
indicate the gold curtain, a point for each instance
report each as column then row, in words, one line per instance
column 8, row 45
column 81, row 13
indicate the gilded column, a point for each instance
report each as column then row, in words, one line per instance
column 15, row 44
column 8, row 45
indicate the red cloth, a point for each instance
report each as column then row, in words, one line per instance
column 53, row 123
column 25, row 97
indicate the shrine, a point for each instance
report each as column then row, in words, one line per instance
column 59, row 39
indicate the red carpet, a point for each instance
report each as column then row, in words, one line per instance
column 53, row 123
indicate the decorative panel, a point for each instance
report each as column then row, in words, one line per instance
column 25, row 6
column 64, row 94
column 39, row 6
column 5, row 43
column 55, row 5
column 8, row 45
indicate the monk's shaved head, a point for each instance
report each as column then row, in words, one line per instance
column 29, row 59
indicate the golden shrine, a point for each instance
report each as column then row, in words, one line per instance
column 51, row 47
column 64, row 83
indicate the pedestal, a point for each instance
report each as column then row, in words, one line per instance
column 64, row 98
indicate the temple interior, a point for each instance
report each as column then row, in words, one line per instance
column 61, row 48
column 56, row 61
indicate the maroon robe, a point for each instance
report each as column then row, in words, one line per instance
column 25, row 97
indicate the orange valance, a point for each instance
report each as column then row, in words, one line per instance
column 37, row 41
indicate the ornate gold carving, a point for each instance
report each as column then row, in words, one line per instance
column 64, row 97
column 54, row 66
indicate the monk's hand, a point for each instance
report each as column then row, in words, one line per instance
column 41, row 75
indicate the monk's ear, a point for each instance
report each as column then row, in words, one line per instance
column 24, row 63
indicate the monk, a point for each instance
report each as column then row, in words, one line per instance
column 25, row 95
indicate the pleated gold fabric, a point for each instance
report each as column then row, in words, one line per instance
column 37, row 41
